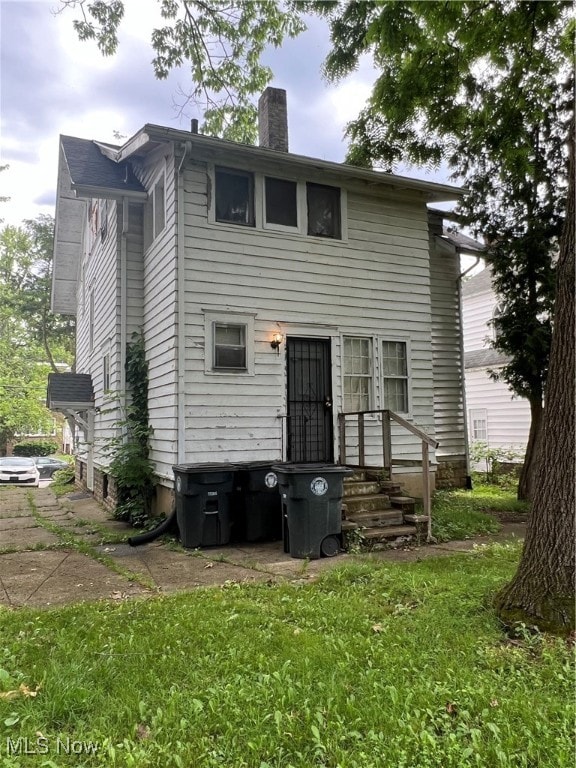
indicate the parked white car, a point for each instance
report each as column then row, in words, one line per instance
column 17, row 470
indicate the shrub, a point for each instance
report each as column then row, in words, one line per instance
column 41, row 448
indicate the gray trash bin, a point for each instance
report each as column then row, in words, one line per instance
column 312, row 508
column 203, row 503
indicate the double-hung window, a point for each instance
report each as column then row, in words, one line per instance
column 229, row 346
column 478, row 419
column 357, row 362
column 234, row 198
column 395, row 376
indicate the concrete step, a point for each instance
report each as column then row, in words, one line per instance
column 360, row 488
column 378, row 501
column 393, row 532
column 379, row 518
column 391, row 487
column 405, row 503
column 359, row 475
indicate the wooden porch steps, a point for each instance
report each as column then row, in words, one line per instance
column 375, row 512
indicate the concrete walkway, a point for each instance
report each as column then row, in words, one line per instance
column 54, row 552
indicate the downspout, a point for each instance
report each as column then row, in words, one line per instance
column 459, row 279
column 181, row 309
column 123, row 300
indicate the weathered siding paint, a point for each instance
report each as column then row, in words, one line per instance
column 375, row 283
column 159, row 317
column 98, row 303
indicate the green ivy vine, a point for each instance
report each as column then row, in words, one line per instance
column 131, row 467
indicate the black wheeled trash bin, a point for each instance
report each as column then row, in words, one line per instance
column 259, row 513
column 312, row 508
column 203, row 503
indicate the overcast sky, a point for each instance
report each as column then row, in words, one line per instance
column 51, row 84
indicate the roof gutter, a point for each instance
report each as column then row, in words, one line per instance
column 108, row 193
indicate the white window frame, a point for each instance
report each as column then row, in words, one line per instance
column 212, row 318
column 106, row 373
column 478, row 414
column 260, row 223
column 370, row 376
column 151, row 230
column 396, row 340
column 255, row 201
column 91, row 319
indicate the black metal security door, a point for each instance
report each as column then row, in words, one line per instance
column 309, row 426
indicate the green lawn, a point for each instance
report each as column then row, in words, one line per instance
column 377, row 665
column 461, row 514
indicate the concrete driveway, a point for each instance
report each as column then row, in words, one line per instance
column 56, row 551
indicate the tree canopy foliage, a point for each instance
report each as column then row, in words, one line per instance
column 486, row 87
column 33, row 341
column 220, row 40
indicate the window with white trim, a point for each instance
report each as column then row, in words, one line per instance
column 91, row 320
column 234, row 196
column 155, row 212
column 478, row 419
column 281, row 202
column 395, row 378
column 106, row 372
column 229, row 343
column 229, row 352
column 357, row 366
column 323, row 205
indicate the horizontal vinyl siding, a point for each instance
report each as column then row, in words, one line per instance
column 448, row 384
column 477, row 311
column 159, row 322
column 376, row 283
column 101, row 274
column 508, row 417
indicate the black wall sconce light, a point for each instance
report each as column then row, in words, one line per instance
column 277, row 339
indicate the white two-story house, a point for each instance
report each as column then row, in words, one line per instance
column 274, row 292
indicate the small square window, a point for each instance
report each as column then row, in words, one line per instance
column 281, row 205
column 323, row 210
column 234, row 196
column 229, row 346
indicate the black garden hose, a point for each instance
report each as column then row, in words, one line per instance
column 165, row 527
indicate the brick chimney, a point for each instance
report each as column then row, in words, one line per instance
column 273, row 119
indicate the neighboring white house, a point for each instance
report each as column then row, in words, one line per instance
column 495, row 416
column 274, row 293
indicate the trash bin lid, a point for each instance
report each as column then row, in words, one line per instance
column 325, row 469
column 192, row 469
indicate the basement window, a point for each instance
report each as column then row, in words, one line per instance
column 323, row 202
column 234, row 196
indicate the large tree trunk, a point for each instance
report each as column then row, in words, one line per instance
column 542, row 592
column 526, row 480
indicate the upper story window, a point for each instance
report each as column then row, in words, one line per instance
column 395, row 376
column 234, row 196
column 357, row 361
column 296, row 207
column 155, row 212
column 281, row 202
column 323, row 203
